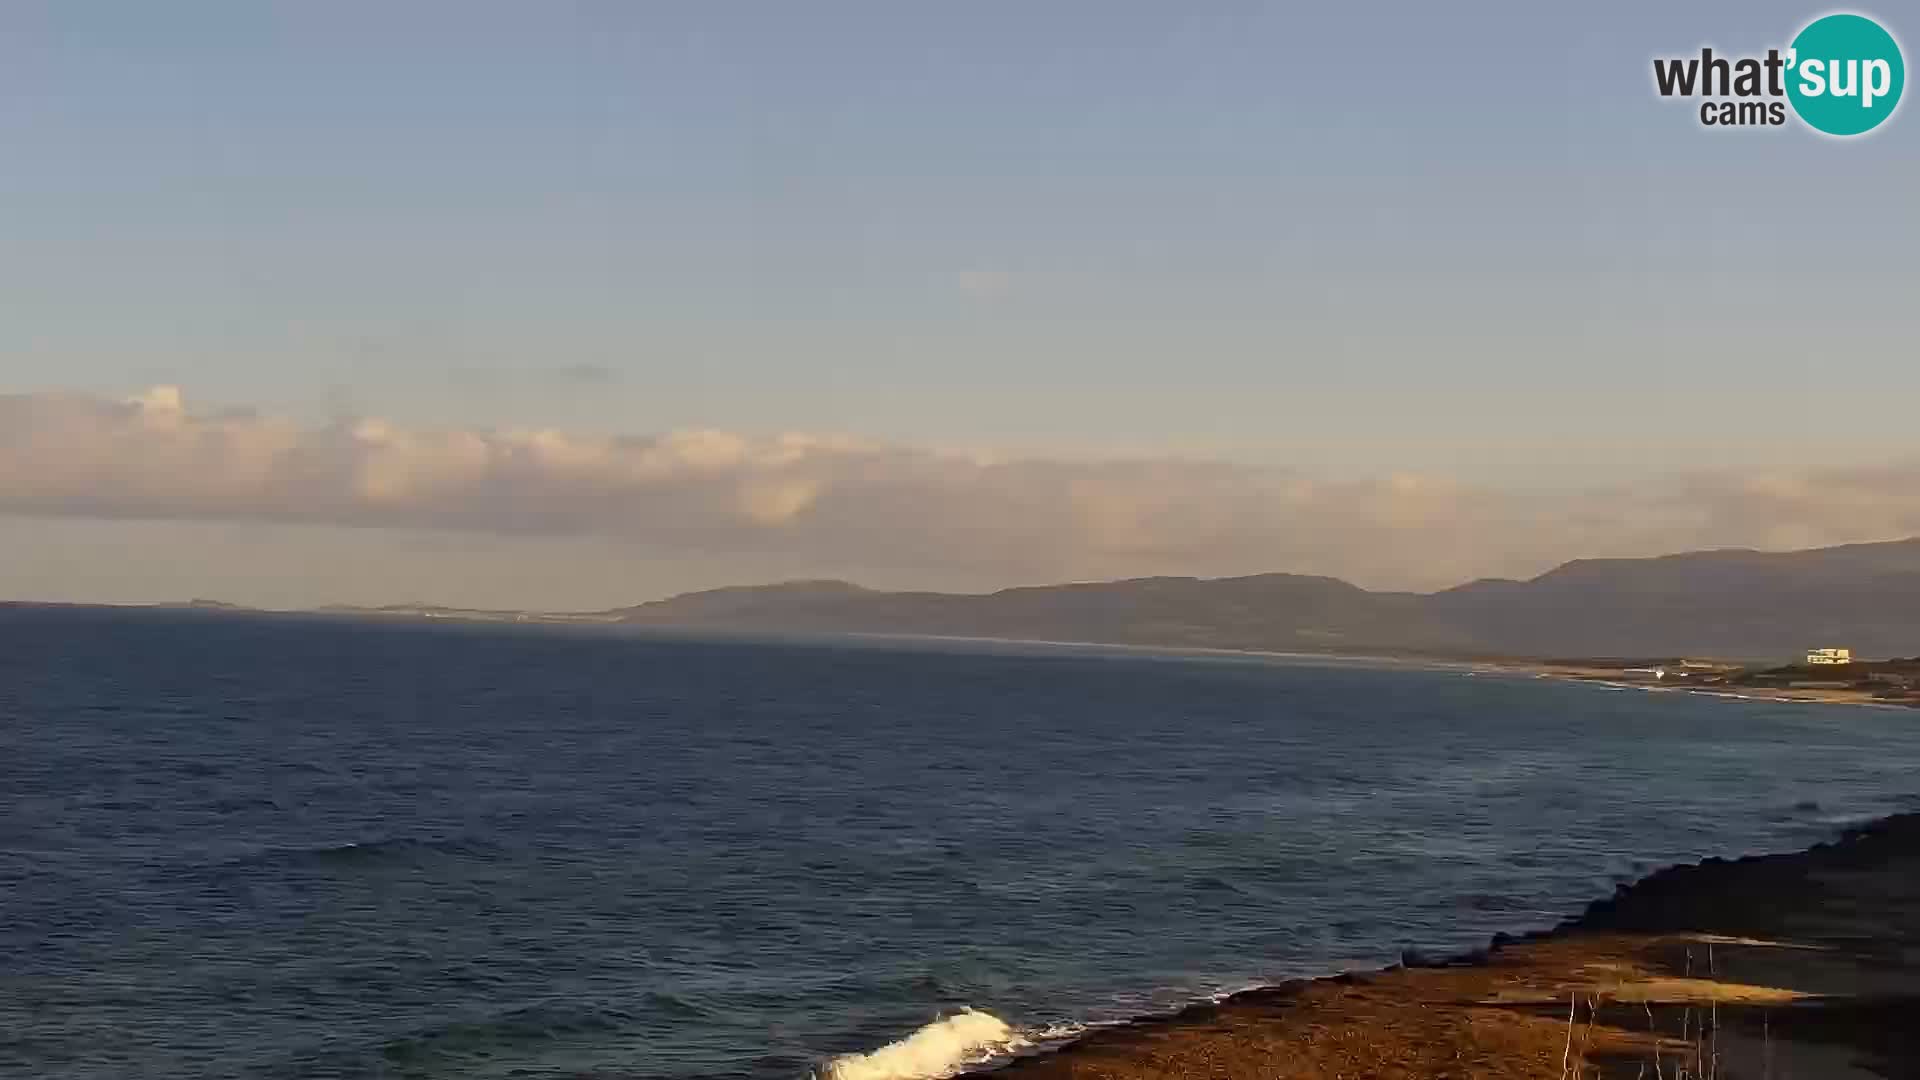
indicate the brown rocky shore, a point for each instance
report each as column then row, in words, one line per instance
column 1772, row 967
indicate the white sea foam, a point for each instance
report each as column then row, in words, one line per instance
column 941, row 1048
column 1064, row 1031
column 1219, row 996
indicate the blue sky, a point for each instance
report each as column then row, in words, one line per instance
column 1349, row 239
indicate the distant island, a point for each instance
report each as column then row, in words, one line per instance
column 1747, row 605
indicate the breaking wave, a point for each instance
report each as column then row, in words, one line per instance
column 941, row 1048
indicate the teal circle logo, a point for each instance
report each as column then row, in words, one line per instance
column 1845, row 74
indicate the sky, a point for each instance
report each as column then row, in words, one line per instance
column 569, row 305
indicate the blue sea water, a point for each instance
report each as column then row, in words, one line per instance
column 273, row 846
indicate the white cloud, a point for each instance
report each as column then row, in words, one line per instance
column 811, row 500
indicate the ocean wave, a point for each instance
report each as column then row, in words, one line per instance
column 675, row 1005
column 462, row 1040
column 352, row 852
column 941, row 1048
column 1063, row 1032
column 398, row 845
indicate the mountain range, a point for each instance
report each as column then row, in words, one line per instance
column 1737, row 604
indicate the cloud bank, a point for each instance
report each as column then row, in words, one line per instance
column 815, row 500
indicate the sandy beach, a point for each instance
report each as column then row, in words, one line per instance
column 1615, row 678
column 1778, row 966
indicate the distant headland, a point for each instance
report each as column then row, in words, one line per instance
column 1739, row 605
column 1731, row 604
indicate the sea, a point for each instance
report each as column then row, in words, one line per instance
column 240, row 845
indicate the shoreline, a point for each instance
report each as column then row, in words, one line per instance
column 1502, row 666
column 1795, row 964
column 1783, row 696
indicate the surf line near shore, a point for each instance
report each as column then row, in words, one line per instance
column 1760, row 965
column 941, row 1048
